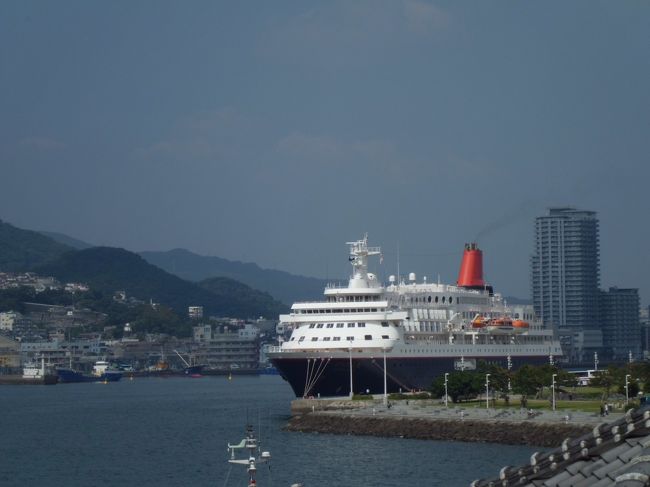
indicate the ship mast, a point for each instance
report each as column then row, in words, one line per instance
column 359, row 253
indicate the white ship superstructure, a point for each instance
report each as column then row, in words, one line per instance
column 337, row 346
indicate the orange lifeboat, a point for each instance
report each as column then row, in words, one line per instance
column 520, row 325
column 502, row 324
column 479, row 322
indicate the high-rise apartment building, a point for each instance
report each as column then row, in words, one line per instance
column 619, row 314
column 566, row 269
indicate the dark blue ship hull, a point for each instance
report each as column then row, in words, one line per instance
column 69, row 375
column 331, row 377
column 194, row 370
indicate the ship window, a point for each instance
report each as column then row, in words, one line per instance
column 385, row 337
column 436, row 299
column 443, row 299
column 319, row 325
column 350, row 339
column 337, row 339
column 314, row 339
column 301, row 339
column 361, row 325
column 384, row 324
column 312, row 325
column 330, row 325
column 429, row 299
column 368, row 337
column 326, row 339
column 350, row 325
column 373, row 310
column 340, row 325
column 292, row 339
column 451, row 300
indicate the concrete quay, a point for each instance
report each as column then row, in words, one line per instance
column 424, row 419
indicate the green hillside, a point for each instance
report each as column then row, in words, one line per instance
column 109, row 269
column 24, row 250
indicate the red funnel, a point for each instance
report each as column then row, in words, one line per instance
column 471, row 268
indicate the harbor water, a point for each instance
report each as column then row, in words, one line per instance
column 174, row 431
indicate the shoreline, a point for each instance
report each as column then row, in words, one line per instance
column 434, row 422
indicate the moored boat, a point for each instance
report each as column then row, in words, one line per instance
column 368, row 337
column 102, row 372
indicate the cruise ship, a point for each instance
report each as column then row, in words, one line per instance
column 366, row 336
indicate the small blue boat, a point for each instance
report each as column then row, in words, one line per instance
column 101, row 373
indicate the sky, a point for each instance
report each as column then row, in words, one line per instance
column 274, row 132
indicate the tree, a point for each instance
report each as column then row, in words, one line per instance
column 460, row 385
column 606, row 379
column 527, row 381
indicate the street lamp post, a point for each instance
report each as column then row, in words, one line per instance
column 553, row 389
column 351, row 389
column 487, row 391
column 627, row 389
column 596, row 361
column 509, row 369
column 385, row 381
column 446, row 395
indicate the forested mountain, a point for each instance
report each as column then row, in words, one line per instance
column 281, row 285
column 109, row 269
column 24, row 250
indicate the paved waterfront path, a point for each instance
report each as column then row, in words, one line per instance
column 435, row 410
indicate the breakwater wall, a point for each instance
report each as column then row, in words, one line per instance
column 490, row 431
column 431, row 420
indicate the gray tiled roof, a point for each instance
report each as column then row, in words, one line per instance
column 613, row 454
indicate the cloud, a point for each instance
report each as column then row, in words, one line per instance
column 212, row 135
column 361, row 31
column 327, row 149
column 41, row 143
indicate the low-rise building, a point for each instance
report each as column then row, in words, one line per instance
column 227, row 346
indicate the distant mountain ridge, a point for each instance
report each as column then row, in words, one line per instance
column 24, row 250
column 109, row 269
column 283, row 286
column 64, row 239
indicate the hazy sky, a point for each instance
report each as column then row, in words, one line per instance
column 273, row 132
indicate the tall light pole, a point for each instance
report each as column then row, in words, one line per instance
column 596, row 361
column 627, row 389
column 553, row 389
column 385, row 381
column 487, row 391
column 446, row 395
column 509, row 369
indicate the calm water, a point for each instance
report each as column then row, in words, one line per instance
column 174, row 431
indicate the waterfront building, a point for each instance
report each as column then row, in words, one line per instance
column 644, row 316
column 227, row 346
column 9, row 354
column 620, row 321
column 565, row 270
